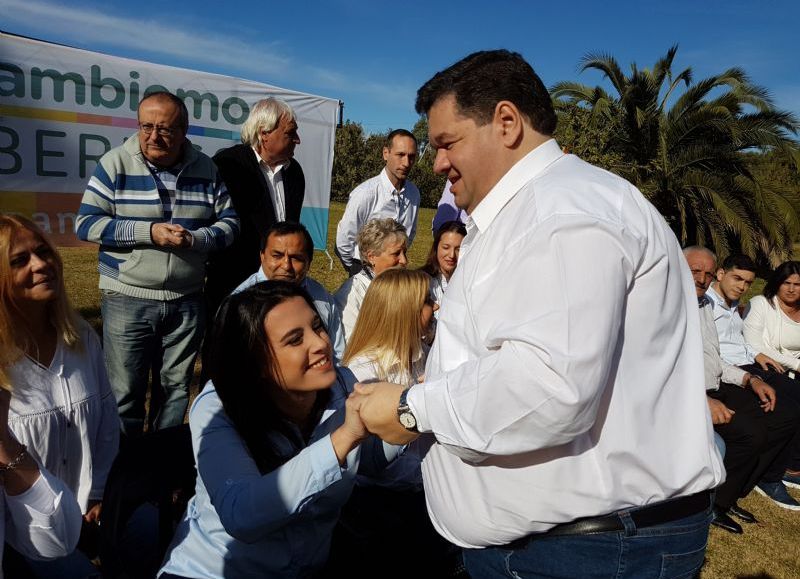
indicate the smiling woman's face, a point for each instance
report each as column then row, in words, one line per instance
column 34, row 269
column 302, row 349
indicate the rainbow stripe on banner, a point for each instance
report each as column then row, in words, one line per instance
column 108, row 121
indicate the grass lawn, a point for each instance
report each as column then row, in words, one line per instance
column 769, row 549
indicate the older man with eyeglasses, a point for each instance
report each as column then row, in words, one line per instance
column 157, row 207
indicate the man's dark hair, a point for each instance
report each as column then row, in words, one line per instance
column 183, row 112
column 482, row 79
column 282, row 228
column 738, row 261
column 399, row 133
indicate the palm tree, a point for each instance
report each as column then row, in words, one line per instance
column 685, row 145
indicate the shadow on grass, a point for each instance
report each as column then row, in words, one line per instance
column 92, row 315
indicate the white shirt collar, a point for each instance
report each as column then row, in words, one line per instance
column 266, row 165
column 719, row 300
column 388, row 183
column 515, row 178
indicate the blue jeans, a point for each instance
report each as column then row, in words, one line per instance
column 670, row 550
column 140, row 335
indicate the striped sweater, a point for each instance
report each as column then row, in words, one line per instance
column 122, row 201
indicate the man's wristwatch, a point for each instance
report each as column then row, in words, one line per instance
column 404, row 414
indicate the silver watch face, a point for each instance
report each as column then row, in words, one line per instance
column 407, row 420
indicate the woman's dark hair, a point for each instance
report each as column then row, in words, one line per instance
column 241, row 364
column 780, row 275
column 431, row 266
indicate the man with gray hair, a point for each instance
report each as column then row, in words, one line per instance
column 266, row 185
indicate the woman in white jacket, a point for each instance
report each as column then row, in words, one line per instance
column 772, row 327
column 62, row 408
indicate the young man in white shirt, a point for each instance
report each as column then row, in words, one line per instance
column 387, row 194
column 554, row 388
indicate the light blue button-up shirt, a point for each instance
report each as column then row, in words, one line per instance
column 732, row 347
column 242, row 523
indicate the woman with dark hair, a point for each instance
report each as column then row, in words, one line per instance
column 61, row 411
column 276, row 443
column 772, row 322
column 443, row 257
column 772, row 327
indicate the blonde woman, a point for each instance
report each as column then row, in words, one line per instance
column 61, row 407
column 387, row 344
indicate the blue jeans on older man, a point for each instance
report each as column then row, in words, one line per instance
column 140, row 335
column 669, row 550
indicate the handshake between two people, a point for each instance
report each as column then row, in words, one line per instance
column 372, row 409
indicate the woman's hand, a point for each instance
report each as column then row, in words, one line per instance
column 351, row 433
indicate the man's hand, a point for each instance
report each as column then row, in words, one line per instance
column 765, row 362
column 765, row 393
column 720, row 414
column 378, row 404
column 170, row 235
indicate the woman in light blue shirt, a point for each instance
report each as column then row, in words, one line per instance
column 276, row 443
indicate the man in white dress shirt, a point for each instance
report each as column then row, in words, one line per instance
column 572, row 434
column 387, row 194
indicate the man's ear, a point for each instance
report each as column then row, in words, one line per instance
column 720, row 273
column 508, row 123
column 386, row 153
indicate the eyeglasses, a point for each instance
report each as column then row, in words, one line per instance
column 147, row 128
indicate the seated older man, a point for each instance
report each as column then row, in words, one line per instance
column 286, row 254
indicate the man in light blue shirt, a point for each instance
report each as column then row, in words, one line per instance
column 734, row 278
column 286, row 253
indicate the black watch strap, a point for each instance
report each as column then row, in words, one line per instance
column 404, row 414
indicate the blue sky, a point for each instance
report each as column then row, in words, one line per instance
column 374, row 55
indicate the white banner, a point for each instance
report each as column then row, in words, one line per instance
column 62, row 108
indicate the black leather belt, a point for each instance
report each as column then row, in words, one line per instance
column 643, row 517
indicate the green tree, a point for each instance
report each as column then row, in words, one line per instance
column 349, row 148
column 685, row 145
column 429, row 183
column 580, row 134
